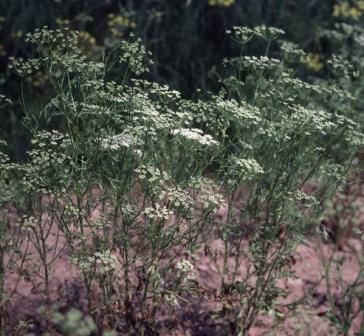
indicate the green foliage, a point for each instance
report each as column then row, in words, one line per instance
column 162, row 167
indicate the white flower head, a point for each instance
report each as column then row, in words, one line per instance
column 157, row 212
column 115, row 142
column 186, row 269
column 102, row 262
column 196, row 135
column 245, row 169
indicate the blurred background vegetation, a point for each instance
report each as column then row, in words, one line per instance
column 187, row 39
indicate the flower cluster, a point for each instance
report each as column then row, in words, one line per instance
column 241, row 34
column 129, row 211
column 303, row 199
column 162, row 92
column 244, row 169
column 186, row 269
column 29, row 222
column 198, row 112
column 134, row 54
column 157, row 212
column 360, row 40
column 310, row 121
column 46, row 158
column 102, row 262
column 115, row 142
column 71, row 210
column 59, row 40
column 286, row 88
column 106, row 261
column 147, row 115
column 78, row 64
column 195, row 135
column 245, row 34
column 355, row 138
column 255, row 63
column 154, row 179
column 242, row 112
column 291, row 51
column 24, row 67
column 268, row 33
column 152, row 174
column 289, row 81
column 178, row 199
column 340, row 66
column 207, row 193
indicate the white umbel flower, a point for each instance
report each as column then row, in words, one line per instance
column 186, row 269
column 118, row 141
column 196, row 135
